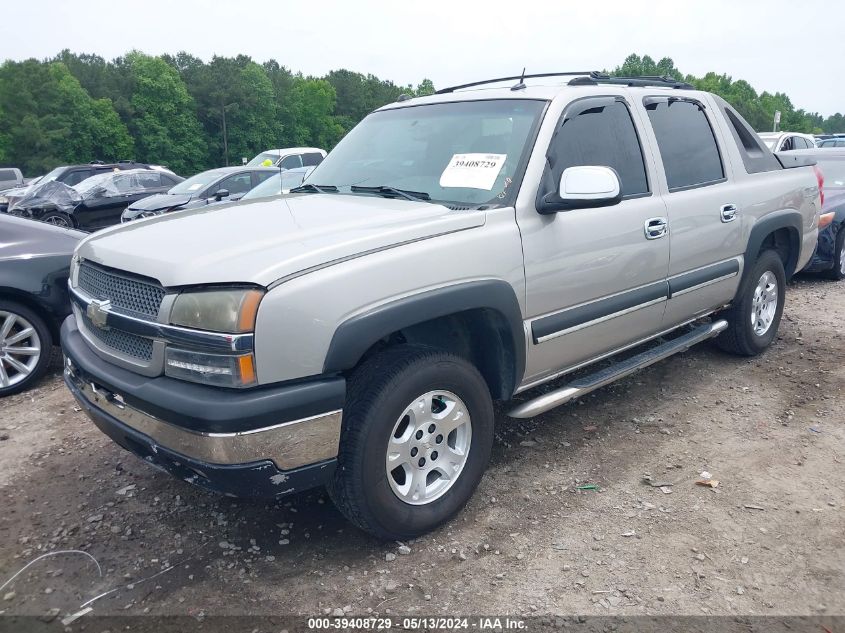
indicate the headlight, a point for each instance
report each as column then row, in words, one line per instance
column 4, row 200
column 231, row 311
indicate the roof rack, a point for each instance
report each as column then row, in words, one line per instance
column 517, row 77
column 595, row 78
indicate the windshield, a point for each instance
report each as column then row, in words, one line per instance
column 278, row 183
column 462, row 153
column 51, row 176
column 262, row 157
column 195, row 184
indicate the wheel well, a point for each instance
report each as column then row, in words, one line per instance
column 481, row 336
column 785, row 242
column 11, row 294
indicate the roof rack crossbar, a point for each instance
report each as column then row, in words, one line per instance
column 596, row 78
column 517, row 77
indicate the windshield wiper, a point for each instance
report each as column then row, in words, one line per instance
column 309, row 188
column 416, row 196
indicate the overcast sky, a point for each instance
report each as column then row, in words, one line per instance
column 788, row 46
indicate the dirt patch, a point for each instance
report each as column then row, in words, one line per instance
column 767, row 541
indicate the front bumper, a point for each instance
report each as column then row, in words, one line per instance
column 185, row 431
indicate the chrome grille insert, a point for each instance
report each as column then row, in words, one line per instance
column 126, row 292
column 120, row 341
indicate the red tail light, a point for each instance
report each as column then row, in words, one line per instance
column 820, row 178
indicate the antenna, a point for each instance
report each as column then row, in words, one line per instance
column 521, row 84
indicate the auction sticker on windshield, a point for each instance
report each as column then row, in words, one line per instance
column 473, row 171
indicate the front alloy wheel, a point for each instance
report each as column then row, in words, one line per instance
column 428, row 447
column 764, row 305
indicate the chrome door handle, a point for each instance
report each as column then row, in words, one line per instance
column 655, row 228
column 728, row 212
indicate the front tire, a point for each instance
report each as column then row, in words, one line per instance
column 57, row 218
column 416, row 439
column 754, row 318
column 25, row 347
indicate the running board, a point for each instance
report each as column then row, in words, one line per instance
column 586, row 384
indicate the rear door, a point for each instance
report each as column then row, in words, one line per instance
column 595, row 281
column 104, row 209
column 705, row 233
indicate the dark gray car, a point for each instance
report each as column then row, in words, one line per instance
column 208, row 187
column 34, row 262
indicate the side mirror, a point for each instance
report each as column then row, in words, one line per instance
column 583, row 187
column 221, row 193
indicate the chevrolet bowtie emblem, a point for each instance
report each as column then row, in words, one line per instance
column 98, row 312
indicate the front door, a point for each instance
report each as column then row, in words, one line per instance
column 595, row 278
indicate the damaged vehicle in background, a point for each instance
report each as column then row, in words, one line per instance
column 94, row 203
column 69, row 175
column 209, row 187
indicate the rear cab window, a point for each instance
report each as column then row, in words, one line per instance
column 687, row 143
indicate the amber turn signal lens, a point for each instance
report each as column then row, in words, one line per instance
column 825, row 219
column 249, row 310
column 246, row 365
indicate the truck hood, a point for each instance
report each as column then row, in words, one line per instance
column 262, row 241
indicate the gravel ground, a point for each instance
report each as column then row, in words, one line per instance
column 768, row 540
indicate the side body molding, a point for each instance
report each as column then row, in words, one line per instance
column 356, row 335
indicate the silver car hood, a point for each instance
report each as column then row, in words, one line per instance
column 263, row 241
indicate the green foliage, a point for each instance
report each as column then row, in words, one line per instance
column 171, row 109
column 47, row 118
column 164, row 124
column 757, row 109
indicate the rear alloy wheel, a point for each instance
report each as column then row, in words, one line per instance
column 57, row 218
column 754, row 316
column 416, row 439
column 25, row 348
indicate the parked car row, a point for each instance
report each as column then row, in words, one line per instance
column 97, row 195
column 795, row 141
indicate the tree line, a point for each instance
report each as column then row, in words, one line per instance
column 191, row 115
column 757, row 109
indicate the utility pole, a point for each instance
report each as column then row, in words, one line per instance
column 777, row 121
column 225, row 137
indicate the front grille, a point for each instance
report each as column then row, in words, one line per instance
column 125, row 291
column 120, row 341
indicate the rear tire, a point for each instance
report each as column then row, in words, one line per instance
column 25, row 347
column 754, row 318
column 838, row 271
column 58, row 218
column 416, row 439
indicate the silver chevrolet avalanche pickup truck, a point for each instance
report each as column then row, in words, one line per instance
column 451, row 251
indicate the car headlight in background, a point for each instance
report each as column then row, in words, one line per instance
column 4, row 200
column 231, row 311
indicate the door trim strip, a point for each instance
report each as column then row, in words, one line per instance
column 695, row 279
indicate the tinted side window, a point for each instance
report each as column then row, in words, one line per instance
column 787, row 145
column 150, row 180
column 600, row 134
column 167, row 181
column 8, row 174
column 239, row 183
column 289, row 162
column 75, row 177
column 312, row 159
column 261, row 176
column 686, row 141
